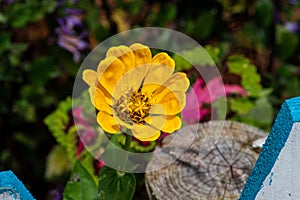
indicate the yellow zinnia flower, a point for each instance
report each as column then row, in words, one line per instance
column 133, row 90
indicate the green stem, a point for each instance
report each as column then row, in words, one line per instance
column 127, row 142
column 127, row 147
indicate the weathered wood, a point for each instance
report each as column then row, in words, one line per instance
column 215, row 165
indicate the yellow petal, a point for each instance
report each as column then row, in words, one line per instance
column 173, row 102
column 134, row 77
column 157, row 109
column 107, row 122
column 152, row 138
column 160, row 69
column 98, row 99
column 107, row 95
column 113, row 69
column 142, row 54
column 150, row 88
column 132, row 80
column 124, row 53
column 121, row 122
column 172, row 124
column 158, row 74
column 90, row 77
column 166, row 123
column 157, row 121
column 177, row 82
column 145, row 133
column 164, row 59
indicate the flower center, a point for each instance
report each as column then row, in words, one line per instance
column 133, row 107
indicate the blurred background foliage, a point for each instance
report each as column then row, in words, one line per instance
column 255, row 45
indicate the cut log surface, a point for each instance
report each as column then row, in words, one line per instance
column 215, row 164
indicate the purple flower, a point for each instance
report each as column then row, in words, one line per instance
column 62, row 2
column 291, row 26
column 71, row 34
column 73, row 11
column 10, row 1
column 57, row 193
column 276, row 16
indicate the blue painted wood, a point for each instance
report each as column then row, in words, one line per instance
column 11, row 188
column 287, row 116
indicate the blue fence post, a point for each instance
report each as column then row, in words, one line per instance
column 273, row 154
column 11, row 188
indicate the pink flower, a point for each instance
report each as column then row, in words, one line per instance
column 199, row 96
column 98, row 164
column 88, row 136
column 86, row 132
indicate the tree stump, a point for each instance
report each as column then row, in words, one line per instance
column 215, row 165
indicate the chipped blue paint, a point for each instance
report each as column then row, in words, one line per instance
column 12, row 186
column 271, row 178
column 287, row 116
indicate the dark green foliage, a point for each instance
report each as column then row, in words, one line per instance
column 115, row 185
column 81, row 185
column 287, row 43
column 264, row 12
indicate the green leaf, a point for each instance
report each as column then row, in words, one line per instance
column 264, row 10
column 262, row 112
column 115, row 185
column 25, row 109
column 204, row 24
column 21, row 13
column 217, row 53
column 49, row 6
column 113, row 154
column 220, row 106
column 4, row 41
column 168, row 13
column 287, row 82
column 181, row 63
column 25, row 140
column 214, row 52
column 81, row 185
column 135, row 145
column 253, row 36
column 16, row 52
column 90, row 16
column 287, row 43
column 57, row 123
column 188, row 58
column 266, row 92
column 57, row 163
column 3, row 18
column 240, row 65
column 87, row 160
column 241, row 105
column 133, row 7
column 43, row 69
column 18, row 47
